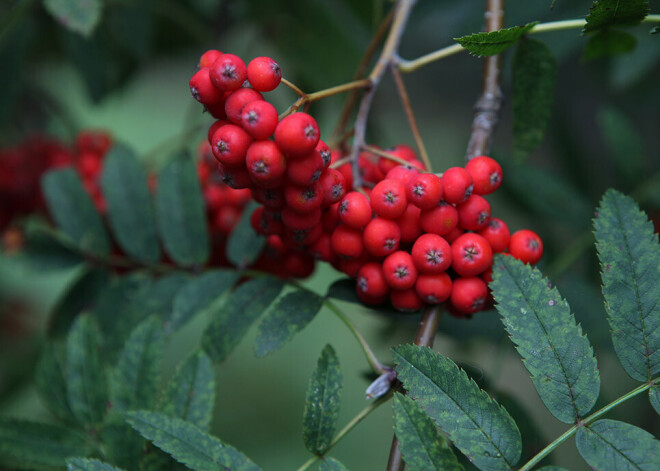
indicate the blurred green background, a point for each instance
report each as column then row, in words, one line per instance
column 130, row 77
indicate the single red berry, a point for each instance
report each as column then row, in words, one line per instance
column 298, row 221
column 237, row 100
column 471, row 254
column 406, row 300
column 497, row 234
column 368, row 165
column 469, row 295
column 225, row 219
column 355, row 210
column 214, row 127
column 366, row 299
column 203, row 90
column 402, row 151
column 304, row 198
column 409, row 224
column 302, row 237
column 306, row 170
column 265, row 223
column 400, row 271
column 431, row 254
column 403, row 173
column 457, row 185
column 298, row 264
column 351, row 266
column 322, row 249
column 214, row 197
column 217, row 110
column 455, row 233
column 208, row 58
column 228, row 72
column 381, row 237
column 371, row 281
column 424, row 190
column 264, row 74
column 229, row 144
column 347, row 171
column 324, row 151
column 297, row 135
column 440, row 220
column 259, row 119
column 474, row 214
column 388, row 199
column 234, row 177
column 526, row 245
column 269, row 197
column 433, row 288
column 333, row 185
column 486, row 174
column 265, row 163
column 347, row 242
column 330, row 217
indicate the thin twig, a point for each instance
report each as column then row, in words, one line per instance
column 293, row 87
column 306, row 99
column 388, row 156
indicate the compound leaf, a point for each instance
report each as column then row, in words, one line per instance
column 79, row 16
column 489, row 44
column 606, row 13
column 83, row 464
column 244, row 244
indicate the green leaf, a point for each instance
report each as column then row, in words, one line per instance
column 51, row 383
column 624, row 143
column 477, row 425
column 612, row 445
column 284, row 319
column 534, row 80
column 654, row 397
column 606, row 13
column 44, row 253
column 191, row 392
column 608, row 42
column 189, row 444
column 180, row 213
column 421, row 445
column 130, row 209
column 135, row 380
column 489, row 44
column 198, row 295
column 36, row 446
column 552, row 346
column 121, row 444
column 322, row 402
column 241, row 308
column 244, row 244
column 74, row 211
column 159, row 298
column 552, row 468
column 331, row 464
column 79, row 16
column 630, row 269
column 85, row 378
column 82, row 464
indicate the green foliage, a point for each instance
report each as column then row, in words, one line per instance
column 159, row 297
column 606, row 13
column 130, row 209
column 624, row 143
column 51, row 383
column 654, row 397
column 244, row 244
column 322, row 402
column 82, row 464
column 421, row 445
column 610, row 445
column 554, row 350
column 331, row 464
column 74, row 212
column 477, row 425
column 489, row 44
column 608, row 42
column 284, row 319
column 241, row 308
column 36, row 446
column 79, row 16
column 180, row 212
column 629, row 256
column 121, row 444
column 188, row 444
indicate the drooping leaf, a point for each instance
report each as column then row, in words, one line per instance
column 331, row 464
column 74, row 211
column 51, row 383
column 83, row 464
column 135, row 379
column 244, row 244
column 200, row 294
column 241, row 308
column 122, row 445
column 534, row 79
column 654, row 397
column 609, row 445
column 130, row 208
column 489, row 44
column 624, row 143
column 36, row 446
column 284, row 319
column 189, row 444
column 79, row 16
column 606, row 13
column 629, row 256
column 421, row 445
column 477, row 425
column 608, row 42
column 191, row 392
column 553, row 348
column 86, row 383
column 180, row 213
column 322, row 402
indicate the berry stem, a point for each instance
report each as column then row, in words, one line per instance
column 293, row 87
column 388, row 156
column 305, row 99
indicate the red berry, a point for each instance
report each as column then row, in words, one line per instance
column 259, row 118
column 406, row 300
column 214, row 127
column 297, row 221
column 298, row 264
column 234, row 177
column 324, row 151
column 409, row 224
column 352, row 266
column 486, row 174
column 424, row 190
column 526, row 245
column 347, row 242
column 208, row 58
column 355, row 210
column 440, row 220
column 226, row 218
column 403, row 173
column 264, row 74
column 230, row 144
column 431, row 254
column 497, row 234
column 237, row 100
column 471, row 254
column 388, row 199
column 400, row 271
column 469, row 295
column 402, row 151
column 330, row 218
column 381, row 237
column 270, row 197
column 474, row 214
column 306, row 170
column 333, row 185
column 457, row 185
column 371, row 281
column 322, row 249
column 297, row 134
column 370, row 300
column 303, row 237
column 304, row 198
column 265, row 163
column 433, row 288
column 228, row 72
column 203, row 90
column 347, row 171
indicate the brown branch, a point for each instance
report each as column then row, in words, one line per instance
column 487, row 108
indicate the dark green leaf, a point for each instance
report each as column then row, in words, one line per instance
column 80, row 16
column 130, row 209
column 552, row 468
column 284, row 319
column 74, row 211
column 331, row 464
column 200, row 294
column 191, row 392
column 232, row 320
column 51, row 383
column 489, row 44
column 121, row 444
column 189, row 444
column 135, row 380
column 82, row 464
column 554, row 350
column 180, row 211
column 85, row 378
column 43, row 253
column 534, row 79
column 421, row 445
column 608, row 42
column 322, row 402
column 37, row 446
column 609, row 445
column 654, row 397
column 630, row 269
column 624, row 143
column 244, row 244
column 477, row 425
column 606, row 13
column 159, row 299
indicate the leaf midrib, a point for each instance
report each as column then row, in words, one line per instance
column 613, row 447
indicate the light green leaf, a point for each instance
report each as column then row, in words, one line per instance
column 331, row 464
column 188, row 444
column 82, row 464
column 608, row 42
column 630, row 269
column 322, row 402
column 477, row 425
column 654, row 397
column 624, row 143
column 534, row 79
column 606, row 13
column 180, row 213
column 51, row 383
column 421, row 445
column 284, row 319
column 610, row 445
column 241, row 308
column 74, row 211
column 130, row 209
column 489, row 44
column 553, row 348
column 244, row 244
column 36, row 446
column 79, row 16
